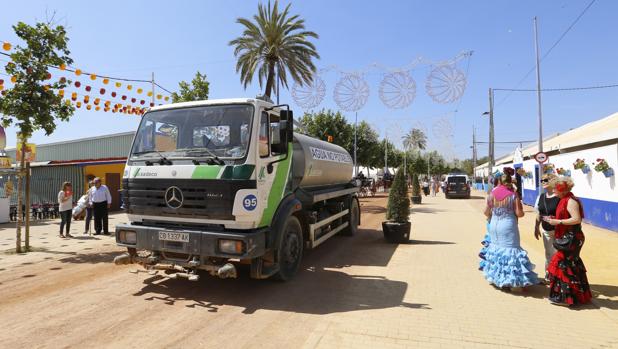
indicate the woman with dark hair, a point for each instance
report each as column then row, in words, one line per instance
column 65, row 201
column 568, row 284
column 506, row 263
column 487, row 238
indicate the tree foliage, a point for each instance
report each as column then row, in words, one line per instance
column 415, row 140
column 398, row 207
column 197, row 90
column 416, row 186
column 273, row 44
column 327, row 123
column 33, row 103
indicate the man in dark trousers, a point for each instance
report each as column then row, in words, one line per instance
column 101, row 201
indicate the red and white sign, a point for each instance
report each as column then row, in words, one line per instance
column 541, row 157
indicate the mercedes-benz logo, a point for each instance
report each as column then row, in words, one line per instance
column 174, row 197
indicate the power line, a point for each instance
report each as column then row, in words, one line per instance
column 558, row 89
column 547, row 53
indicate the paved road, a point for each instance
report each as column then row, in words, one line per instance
column 352, row 292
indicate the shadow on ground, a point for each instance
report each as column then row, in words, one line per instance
column 601, row 293
column 318, row 288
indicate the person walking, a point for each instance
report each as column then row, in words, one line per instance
column 101, row 201
column 568, row 283
column 89, row 209
column 425, row 186
column 65, row 202
column 545, row 206
column 506, row 263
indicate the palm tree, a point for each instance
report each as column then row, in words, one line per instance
column 274, row 43
column 415, row 140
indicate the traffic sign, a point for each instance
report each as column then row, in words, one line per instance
column 541, row 157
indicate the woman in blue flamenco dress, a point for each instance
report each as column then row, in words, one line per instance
column 506, row 263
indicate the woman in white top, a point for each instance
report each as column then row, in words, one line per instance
column 65, row 200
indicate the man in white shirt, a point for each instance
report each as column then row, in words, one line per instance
column 101, row 200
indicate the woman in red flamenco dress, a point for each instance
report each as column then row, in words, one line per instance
column 568, row 284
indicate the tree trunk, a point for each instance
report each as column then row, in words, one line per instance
column 27, row 199
column 19, row 197
column 270, row 81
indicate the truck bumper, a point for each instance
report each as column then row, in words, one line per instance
column 200, row 243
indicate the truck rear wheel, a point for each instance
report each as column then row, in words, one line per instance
column 353, row 219
column 290, row 249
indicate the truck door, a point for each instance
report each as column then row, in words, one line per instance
column 272, row 166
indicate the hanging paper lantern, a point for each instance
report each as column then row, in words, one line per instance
column 142, row 102
column 88, row 88
column 88, row 107
column 159, row 96
column 13, row 79
column 86, row 99
column 78, row 84
column 105, row 81
column 97, row 101
column 152, row 104
column 102, row 91
column 107, row 103
column 6, row 46
column 166, row 98
column 61, row 93
column 78, row 72
column 114, row 110
column 139, row 90
column 129, row 87
column 97, row 108
column 48, row 76
column 62, row 66
column 133, row 100
column 63, row 80
column 124, row 97
column 1, row 82
column 93, row 77
column 118, row 84
column 149, row 93
column 67, row 103
column 113, row 94
column 79, row 104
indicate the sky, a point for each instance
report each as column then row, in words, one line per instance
column 133, row 39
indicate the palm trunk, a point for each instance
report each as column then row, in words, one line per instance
column 270, row 81
column 19, row 197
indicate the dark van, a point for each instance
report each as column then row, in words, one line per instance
column 457, row 186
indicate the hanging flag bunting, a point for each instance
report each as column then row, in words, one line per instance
column 6, row 46
column 149, row 93
column 129, row 87
column 78, row 104
column 97, row 108
column 159, row 96
column 102, row 91
column 78, row 84
column 78, row 72
column 139, row 91
column 93, row 77
column 62, row 66
column 88, row 107
column 105, row 81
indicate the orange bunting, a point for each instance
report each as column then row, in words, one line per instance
column 1, row 87
column 139, row 90
column 6, row 46
column 105, row 81
column 86, row 99
column 62, row 66
column 97, row 108
column 88, row 107
column 74, row 95
column 79, row 104
column 96, row 101
column 78, row 72
column 93, row 76
column 159, row 96
column 149, row 93
column 13, row 79
column 129, row 87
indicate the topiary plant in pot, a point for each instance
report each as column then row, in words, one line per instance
column 416, row 190
column 397, row 227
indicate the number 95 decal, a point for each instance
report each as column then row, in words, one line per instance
column 249, row 202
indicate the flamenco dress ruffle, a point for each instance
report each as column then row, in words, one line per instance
column 483, row 252
column 568, row 283
column 508, row 267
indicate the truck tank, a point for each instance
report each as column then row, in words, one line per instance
column 317, row 164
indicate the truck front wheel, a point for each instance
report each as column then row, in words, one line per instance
column 353, row 219
column 290, row 249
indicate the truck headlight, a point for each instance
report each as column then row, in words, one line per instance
column 127, row 237
column 231, row 246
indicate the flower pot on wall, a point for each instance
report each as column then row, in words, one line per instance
column 585, row 169
column 609, row 172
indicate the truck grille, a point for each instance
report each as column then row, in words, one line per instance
column 205, row 199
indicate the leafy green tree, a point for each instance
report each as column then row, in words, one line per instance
column 32, row 103
column 415, row 140
column 197, row 90
column 398, row 206
column 395, row 156
column 367, row 144
column 327, row 123
column 416, row 187
column 273, row 44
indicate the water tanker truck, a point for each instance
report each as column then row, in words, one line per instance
column 213, row 184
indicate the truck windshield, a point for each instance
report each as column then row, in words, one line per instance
column 207, row 131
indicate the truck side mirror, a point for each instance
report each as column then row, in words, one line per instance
column 287, row 116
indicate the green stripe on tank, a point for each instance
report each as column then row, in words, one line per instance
column 206, row 172
column 277, row 190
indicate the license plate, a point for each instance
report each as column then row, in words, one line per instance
column 173, row 236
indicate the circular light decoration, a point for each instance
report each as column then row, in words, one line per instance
column 397, row 90
column 442, row 128
column 446, row 84
column 309, row 95
column 351, row 92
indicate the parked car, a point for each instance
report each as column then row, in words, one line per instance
column 457, row 186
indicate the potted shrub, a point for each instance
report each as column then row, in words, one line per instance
column 397, row 227
column 416, row 190
column 602, row 166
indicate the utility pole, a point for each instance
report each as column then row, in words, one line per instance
column 491, row 133
column 538, row 93
column 153, row 89
column 355, row 127
column 385, row 151
column 473, row 151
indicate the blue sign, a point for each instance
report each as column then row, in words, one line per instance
column 249, row 202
